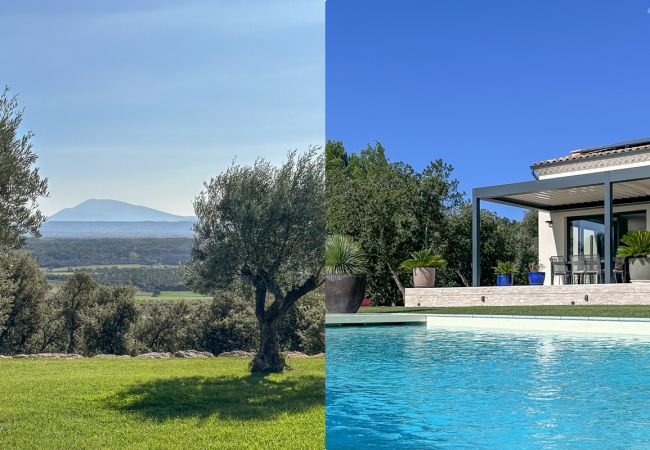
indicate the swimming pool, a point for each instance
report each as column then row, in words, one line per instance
column 411, row 386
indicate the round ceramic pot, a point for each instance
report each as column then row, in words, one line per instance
column 536, row 278
column 639, row 269
column 424, row 277
column 344, row 293
column 504, row 279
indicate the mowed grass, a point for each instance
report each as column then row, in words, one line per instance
column 172, row 296
column 173, row 403
column 560, row 310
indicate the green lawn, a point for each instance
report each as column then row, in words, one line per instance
column 563, row 310
column 173, row 403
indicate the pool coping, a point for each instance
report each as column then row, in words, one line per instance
column 571, row 324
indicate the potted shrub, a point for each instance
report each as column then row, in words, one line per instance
column 345, row 275
column 635, row 246
column 536, row 275
column 504, row 271
column 423, row 264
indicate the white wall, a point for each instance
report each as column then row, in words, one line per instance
column 553, row 240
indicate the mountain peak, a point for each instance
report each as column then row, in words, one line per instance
column 106, row 210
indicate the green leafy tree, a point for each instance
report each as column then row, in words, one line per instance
column 502, row 239
column 27, row 296
column 109, row 320
column 76, row 297
column 20, row 182
column 389, row 208
column 264, row 225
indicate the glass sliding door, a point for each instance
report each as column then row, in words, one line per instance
column 586, row 234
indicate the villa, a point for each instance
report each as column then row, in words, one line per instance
column 587, row 201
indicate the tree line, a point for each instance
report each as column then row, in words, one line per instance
column 392, row 210
column 89, row 318
column 147, row 279
column 65, row 252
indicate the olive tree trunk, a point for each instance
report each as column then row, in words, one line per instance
column 268, row 358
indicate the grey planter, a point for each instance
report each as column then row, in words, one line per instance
column 344, row 293
column 424, row 277
column 639, row 270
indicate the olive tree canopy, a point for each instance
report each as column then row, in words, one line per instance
column 264, row 225
column 20, row 183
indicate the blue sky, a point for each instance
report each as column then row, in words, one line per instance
column 489, row 87
column 142, row 101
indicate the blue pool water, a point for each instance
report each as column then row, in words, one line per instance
column 413, row 387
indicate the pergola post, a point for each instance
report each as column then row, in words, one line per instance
column 476, row 240
column 608, row 212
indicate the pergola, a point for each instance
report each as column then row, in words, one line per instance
column 598, row 189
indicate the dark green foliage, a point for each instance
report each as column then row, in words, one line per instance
column 109, row 320
column 229, row 323
column 168, row 327
column 75, row 298
column 20, row 183
column 303, row 327
column 389, row 208
column 502, row 239
column 23, row 301
column 62, row 252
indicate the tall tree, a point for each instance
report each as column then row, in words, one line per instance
column 20, row 182
column 264, row 225
column 391, row 209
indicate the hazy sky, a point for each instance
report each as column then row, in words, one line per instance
column 489, row 86
column 142, row 101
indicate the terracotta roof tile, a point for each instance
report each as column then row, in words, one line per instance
column 596, row 152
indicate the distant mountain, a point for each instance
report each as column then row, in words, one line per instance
column 101, row 210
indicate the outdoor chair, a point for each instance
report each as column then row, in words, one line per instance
column 560, row 268
column 619, row 269
column 592, row 267
column 577, row 268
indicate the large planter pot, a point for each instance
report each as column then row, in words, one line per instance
column 639, row 269
column 504, row 279
column 344, row 293
column 536, row 278
column 424, row 277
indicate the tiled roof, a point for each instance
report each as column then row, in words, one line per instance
column 580, row 154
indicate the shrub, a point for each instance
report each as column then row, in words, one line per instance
column 303, row 327
column 108, row 321
column 229, row 323
column 344, row 256
column 166, row 327
column 23, row 298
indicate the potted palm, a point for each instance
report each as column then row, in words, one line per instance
column 536, row 275
column 504, row 271
column 345, row 275
column 423, row 264
column 635, row 246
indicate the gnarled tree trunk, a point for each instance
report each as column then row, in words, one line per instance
column 268, row 358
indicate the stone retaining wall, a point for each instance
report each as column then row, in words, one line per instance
column 584, row 294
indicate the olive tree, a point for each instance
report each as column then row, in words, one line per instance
column 20, row 182
column 264, row 225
